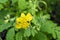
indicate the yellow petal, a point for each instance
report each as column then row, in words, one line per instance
column 25, row 25
column 29, row 17
column 17, row 19
column 18, row 26
column 22, row 15
column 20, row 19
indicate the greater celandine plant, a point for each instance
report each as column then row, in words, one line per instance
column 26, row 20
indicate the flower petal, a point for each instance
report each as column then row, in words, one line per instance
column 29, row 17
column 18, row 26
column 22, row 15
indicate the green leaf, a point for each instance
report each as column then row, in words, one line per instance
column 22, row 4
column 4, row 26
column 4, row 13
column 3, row 1
column 48, row 27
column 13, row 1
column 0, row 38
column 1, row 21
column 58, row 35
column 47, row 16
column 33, row 32
column 19, row 35
column 40, row 36
column 1, row 6
column 58, row 28
column 10, row 34
column 54, row 35
column 27, row 33
column 35, row 20
column 32, row 6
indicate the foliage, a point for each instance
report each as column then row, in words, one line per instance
column 40, row 28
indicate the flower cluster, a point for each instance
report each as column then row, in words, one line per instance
column 23, row 21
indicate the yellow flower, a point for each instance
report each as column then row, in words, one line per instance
column 23, row 21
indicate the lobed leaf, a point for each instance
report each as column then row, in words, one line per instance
column 10, row 34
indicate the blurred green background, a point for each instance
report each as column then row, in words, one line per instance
column 54, row 10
